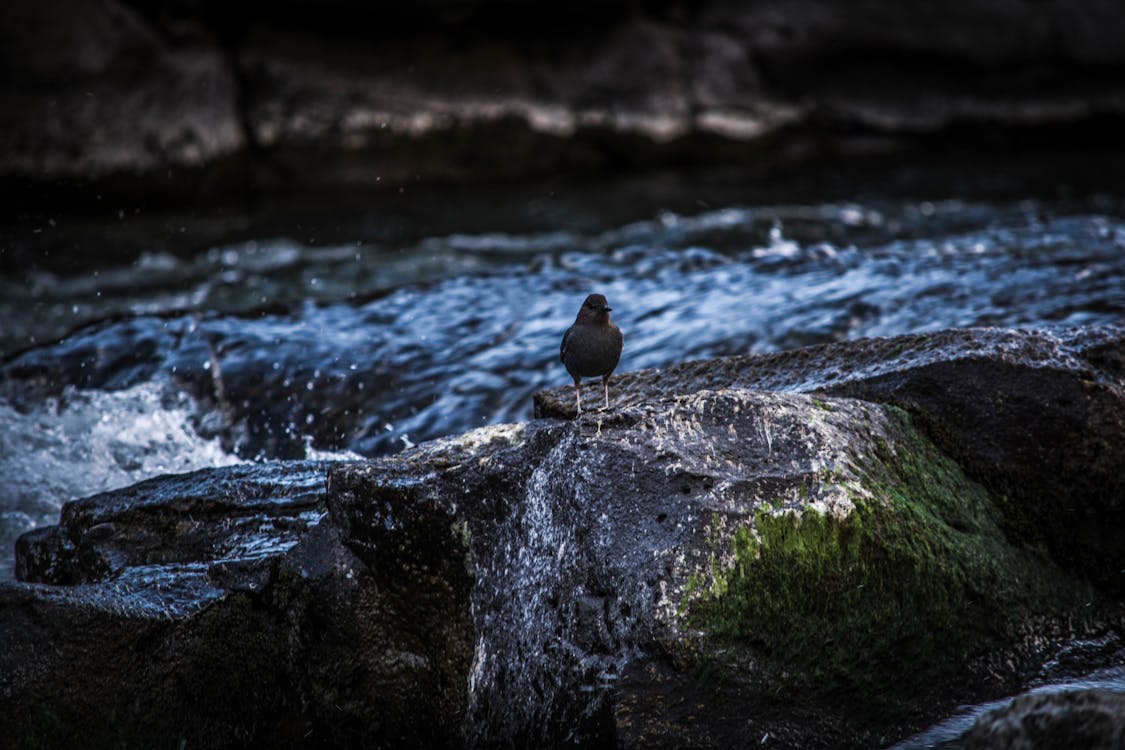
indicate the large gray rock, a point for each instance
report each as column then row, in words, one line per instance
column 696, row 569
column 701, row 564
column 146, row 624
column 1028, row 414
column 244, row 513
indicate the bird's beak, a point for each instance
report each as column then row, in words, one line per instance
column 607, row 308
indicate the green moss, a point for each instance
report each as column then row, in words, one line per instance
column 918, row 570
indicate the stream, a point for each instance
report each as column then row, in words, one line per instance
column 299, row 347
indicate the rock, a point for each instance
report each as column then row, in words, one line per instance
column 93, row 89
column 691, row 570
column 240, row 514
column 1025, row 413
column 1093, row 719
column 471, row 91
column 151, row 626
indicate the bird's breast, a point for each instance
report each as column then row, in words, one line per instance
column 592, row 350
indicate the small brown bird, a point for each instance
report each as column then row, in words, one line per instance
column 592, row 346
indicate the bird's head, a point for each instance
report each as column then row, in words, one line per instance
column 594, row 310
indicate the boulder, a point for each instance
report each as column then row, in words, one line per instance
column 242, row 513
column 1032, row 415
column 698, row 568
column 1093, row 719
column 144, row 625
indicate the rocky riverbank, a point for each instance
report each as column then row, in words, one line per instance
column 716, row 558
column 190, row 96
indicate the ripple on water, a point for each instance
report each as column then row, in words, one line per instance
column 395, row 345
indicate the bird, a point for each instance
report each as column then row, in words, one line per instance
column 592, row 346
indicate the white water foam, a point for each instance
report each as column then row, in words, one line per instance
column 86, row 442
column 313, row 453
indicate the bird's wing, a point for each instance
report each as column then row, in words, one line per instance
column 562, row 349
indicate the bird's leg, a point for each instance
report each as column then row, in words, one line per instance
column 578, row 396
column 605, row 385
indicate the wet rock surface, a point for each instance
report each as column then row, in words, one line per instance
column 1092, row 719
column 696, row 566
column 144, row 626
column 1026, row 414
column 241, row 514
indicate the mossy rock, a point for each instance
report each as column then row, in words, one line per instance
column 916, row 571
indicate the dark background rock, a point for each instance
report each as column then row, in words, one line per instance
column 93, row 88
column 186, row 97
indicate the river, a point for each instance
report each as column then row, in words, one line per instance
column 285, row 346
column 390, row 330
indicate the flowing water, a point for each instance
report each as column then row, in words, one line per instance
column 279, row 347
column 273, row 348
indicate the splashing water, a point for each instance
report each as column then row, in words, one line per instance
column 395, row 345
column 86, row 442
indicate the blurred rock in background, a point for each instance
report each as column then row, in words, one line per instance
column 195, row 96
